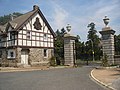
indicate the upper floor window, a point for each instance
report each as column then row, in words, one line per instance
column 45, row 36
column 11, row 35
column 28, row 35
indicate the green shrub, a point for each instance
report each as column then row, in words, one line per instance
column 52, row 61
column 105, row 61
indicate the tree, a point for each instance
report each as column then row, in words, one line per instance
column 59, row 46
column 78, row 46
column 93, row 42
column 63, row 31
column 92, row 32
column 6, row 18
column 81, row 49
column 117, row 44
column 105, row 61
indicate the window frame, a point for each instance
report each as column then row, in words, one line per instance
column 28, row 35
column 45, row 36
column 9, row 54
column 45, row 53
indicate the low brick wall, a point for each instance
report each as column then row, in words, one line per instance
column 117, row 59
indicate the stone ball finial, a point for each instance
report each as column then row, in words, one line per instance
column 68, row 27
column 106, row 21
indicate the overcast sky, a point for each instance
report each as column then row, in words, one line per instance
column 78, row 13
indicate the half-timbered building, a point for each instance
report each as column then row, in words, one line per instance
column 27, row 40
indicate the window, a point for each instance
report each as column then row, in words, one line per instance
column 45, row 53
column 45, row 36
column 28, row 34
column 11, row 53
column 52, row 52
column 11, row 35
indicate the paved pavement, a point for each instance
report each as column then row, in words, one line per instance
column 109, row 77
column 54, row 79
column 116, row 84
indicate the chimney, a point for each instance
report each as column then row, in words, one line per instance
column 12, row 16
column 35, row 7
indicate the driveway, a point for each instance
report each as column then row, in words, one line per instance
column 55, row 79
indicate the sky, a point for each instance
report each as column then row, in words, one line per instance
column 77, row 13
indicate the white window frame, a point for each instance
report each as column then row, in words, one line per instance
column 45, row 37
column 9, row 54
column 28, row 34
column 9, row 36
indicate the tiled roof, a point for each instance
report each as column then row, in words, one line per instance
column 18, row 22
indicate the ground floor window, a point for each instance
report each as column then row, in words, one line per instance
column 52, row 52
column 45, row 52
column 11, row 53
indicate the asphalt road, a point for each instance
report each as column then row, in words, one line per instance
column 55, row 79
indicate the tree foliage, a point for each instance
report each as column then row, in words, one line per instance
column 93, row 43
column 117, row 44
column 6, row 18
column 59, row 46
column 78, row 46
column 105, row 61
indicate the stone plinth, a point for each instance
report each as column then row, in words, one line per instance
column 108, row 43
column 69, row 50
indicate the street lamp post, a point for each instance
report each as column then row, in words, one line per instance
column 92, row 50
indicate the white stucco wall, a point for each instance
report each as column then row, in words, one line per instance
column 36, row 36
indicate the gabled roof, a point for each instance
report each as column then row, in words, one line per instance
column 18, row 22
column 22, row 19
